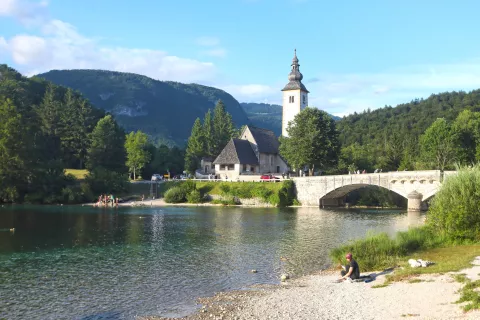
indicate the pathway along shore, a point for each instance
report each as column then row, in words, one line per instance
column 317, row 297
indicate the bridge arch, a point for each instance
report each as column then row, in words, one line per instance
column 416, row 186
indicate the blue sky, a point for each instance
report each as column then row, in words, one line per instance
column 353, row 54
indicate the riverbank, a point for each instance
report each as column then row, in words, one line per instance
column 315, row 297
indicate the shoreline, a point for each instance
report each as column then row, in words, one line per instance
column 317, row 296
column 160, row 202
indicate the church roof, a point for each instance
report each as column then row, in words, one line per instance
column 237, row 151
column 295, row 85
column 266, row 140
column 295, row 77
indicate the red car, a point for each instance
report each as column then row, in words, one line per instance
column 269, row 177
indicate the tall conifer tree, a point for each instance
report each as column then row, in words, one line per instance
column 209, row 134
column 195, row 147
column 223, row 127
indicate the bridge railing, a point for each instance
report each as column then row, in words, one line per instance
column 396, row 174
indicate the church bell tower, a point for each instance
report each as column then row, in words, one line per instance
column 295, row 95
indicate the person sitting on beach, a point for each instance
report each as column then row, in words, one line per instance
column 351, row 270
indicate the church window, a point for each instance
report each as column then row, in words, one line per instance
column 304, row 99
column 231, row 167
column 293, row 99
column 244, row 168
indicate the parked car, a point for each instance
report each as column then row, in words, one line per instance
column 157, row 177
column 269, row 177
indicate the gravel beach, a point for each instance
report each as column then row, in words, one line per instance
column 317, row 297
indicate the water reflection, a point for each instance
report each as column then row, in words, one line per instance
column 79, row 262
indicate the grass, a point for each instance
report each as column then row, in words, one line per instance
column 469, row 293
column 79, row 174
column 219, row 188
column 415, row 280
column 447, row 259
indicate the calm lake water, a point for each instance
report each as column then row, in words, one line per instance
column 96, row 263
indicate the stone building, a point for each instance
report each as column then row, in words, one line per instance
column 295, row 95
column 254, row 153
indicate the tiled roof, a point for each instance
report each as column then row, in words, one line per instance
column 237, row 151
column 295, row 85
column 266, row 140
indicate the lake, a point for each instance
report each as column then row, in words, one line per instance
column 75, row 262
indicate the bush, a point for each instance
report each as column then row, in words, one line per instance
column 224, row 188
column 286, row 193
column 454, row 212
column 194, row 197
column 378, row 251
column 103, row 181
column 175, row 195
column 188, row 186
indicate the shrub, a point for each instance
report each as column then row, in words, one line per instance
column 175, row 195
column 378, row 251
column 224, row 188
column 286, row 193
column 259, row 191
column 188, row 186
column 194, row 197
column 454, row 212
column 103, row 181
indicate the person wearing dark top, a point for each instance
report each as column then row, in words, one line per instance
column 352, row 270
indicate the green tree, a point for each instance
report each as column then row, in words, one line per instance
column 354, row 157
column 12, row 153
column 438, row 145
column 195, row 147
column 467, row 128
column 223, row 127
column 312, row 141
column 137, row 153
column 209, row 134
column 107, row 148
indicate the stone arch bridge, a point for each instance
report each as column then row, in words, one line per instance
column 416, row 186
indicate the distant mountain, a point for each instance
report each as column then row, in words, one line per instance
column 268, row 116
column 164, row 110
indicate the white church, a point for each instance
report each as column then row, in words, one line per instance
column 255, row 152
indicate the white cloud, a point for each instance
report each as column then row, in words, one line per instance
column 27, row 12
column 250, row 92
column 343, row 94
column 214, row 48
column 3, row 45
column 218, row 52
column 207, row 41
column 61, row 46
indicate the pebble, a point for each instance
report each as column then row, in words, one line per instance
column 253, row 271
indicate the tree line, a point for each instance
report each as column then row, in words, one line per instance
column 46, row 129
column 208, row 139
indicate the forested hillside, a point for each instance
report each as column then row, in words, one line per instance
column 389, row 137
column 164, row 110
column 43, row 129
column 268, row 116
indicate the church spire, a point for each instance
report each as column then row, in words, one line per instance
column 295, row 77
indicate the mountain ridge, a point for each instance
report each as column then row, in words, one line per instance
column 268, row 116
column 165, row 110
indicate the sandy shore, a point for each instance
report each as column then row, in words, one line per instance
column 161, row 203
column 317, row 297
